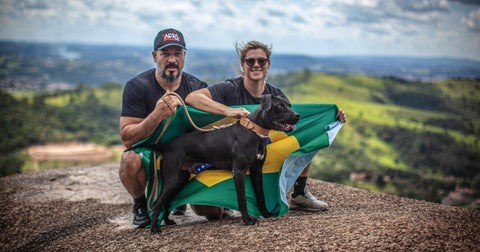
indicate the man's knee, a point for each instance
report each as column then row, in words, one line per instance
column 130, row 164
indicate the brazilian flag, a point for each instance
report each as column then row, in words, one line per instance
column 287, row 155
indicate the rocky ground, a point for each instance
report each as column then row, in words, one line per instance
column 86, row 208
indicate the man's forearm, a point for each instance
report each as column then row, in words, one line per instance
column 204, row 103
column 134, row 132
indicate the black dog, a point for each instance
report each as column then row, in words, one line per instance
column 237, row 148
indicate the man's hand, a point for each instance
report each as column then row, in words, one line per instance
column 164, row 109
column 236, row 112
column 341, row 116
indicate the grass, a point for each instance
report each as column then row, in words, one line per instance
column 109, row 97
column 354, row 95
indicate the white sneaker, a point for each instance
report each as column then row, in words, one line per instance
column 228, row 213
column 308, row 202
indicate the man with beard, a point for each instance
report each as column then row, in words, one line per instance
column 143, row 110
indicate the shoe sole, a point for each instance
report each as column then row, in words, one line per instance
column 141, row 224
column 294, row 206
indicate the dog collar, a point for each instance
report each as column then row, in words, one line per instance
column 247, row 123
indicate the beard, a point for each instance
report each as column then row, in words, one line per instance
column 169, row 76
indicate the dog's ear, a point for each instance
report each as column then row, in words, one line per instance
column 266, row 101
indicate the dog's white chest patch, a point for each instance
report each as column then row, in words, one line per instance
column 260, row 156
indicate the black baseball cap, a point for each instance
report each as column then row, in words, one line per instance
column 169, row 37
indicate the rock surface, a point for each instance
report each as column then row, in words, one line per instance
column 86, row 208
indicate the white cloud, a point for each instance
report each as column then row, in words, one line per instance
column 473, row 21
column 305, row 26
column 422, row 6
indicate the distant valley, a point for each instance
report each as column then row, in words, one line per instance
column 40, row 66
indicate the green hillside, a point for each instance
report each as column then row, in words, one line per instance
column 413, row 139
column 84, row 114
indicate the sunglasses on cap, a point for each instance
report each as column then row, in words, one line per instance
column 251, row 61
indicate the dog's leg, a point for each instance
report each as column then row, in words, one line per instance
column 157, row 205
column 257, row 181
column 182, row 181
column 166, row 195
column 239, row 179
column 166, row 218
column 173, row 180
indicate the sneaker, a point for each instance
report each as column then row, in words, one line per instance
column 228, row 213
column 140, row 216
column 307, row 202
column 180, row 210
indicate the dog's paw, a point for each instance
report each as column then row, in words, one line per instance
column 250, row 220
column 155, row 230
column 170, row 222
column 266, row 214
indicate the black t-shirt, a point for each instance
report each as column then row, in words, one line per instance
column 142, row 92
column 232, row 92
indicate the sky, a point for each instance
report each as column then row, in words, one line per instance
column 419, row 28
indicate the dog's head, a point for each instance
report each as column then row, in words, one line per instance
column 275, row 113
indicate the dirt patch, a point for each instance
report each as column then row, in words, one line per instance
column 69, row 151
column 87, row 208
